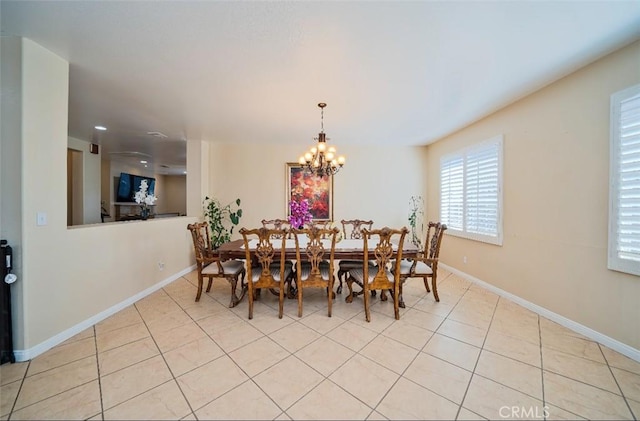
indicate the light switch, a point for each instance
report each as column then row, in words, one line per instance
column 42, row 218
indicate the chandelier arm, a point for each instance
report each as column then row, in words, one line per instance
column 316, row 161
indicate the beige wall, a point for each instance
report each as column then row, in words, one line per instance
column 375, row 183
column 71, row 276
column 11, row 164
column 556, row 176
column 174, row 194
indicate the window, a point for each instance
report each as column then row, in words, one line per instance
column 624, row 182
column 471, row 192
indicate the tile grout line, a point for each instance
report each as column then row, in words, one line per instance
column 95, row 342
column 15, row 401
column 225, row 353
column 473, row 372
column 544, row 396
column 251, row 378
column 147, row 359
column 401, row 375
column 626, row 401
column 567, row 377
column 164, row 359
column 176, row 296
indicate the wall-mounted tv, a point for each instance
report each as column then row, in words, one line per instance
column 129, row 184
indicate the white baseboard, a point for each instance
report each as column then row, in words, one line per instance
column 28, row 354
column 618, row 346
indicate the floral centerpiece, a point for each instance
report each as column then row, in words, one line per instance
column 299, row 213
column 144, row 199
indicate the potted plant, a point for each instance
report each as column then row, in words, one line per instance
column 416, row 215
column 221, row 219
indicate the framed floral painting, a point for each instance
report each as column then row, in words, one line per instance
column 318, row 191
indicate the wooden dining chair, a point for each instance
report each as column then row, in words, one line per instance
column 277, row 224
column 323, row 225
column 386, row 247
column 269, row 269
column 425, row 266
column 351, row 228
column 315, row 262
column 209, row 265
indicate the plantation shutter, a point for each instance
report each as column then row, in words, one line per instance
column 452, row 192
column 482, row 190
column 471, row 192
column 625, row 151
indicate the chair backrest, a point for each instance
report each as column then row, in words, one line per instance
column 276, row 224
column 384, row 247
column 435, row 233
column 201, row 240
column 320, row 245
column 269, row 249
column 356, row 226
column 322, row 225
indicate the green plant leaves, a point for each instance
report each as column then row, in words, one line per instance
column 221, row 220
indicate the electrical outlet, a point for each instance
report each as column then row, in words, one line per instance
column 464, row 260
column 160, row 266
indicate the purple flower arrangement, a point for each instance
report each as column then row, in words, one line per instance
column 299, row 214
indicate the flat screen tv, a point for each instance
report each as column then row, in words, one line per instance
column 129, row 184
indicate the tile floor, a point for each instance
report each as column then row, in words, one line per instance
column 472, row 356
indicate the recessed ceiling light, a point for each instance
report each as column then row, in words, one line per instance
column 100, row 128
column 143, row 162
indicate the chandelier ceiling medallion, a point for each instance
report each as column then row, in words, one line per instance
column 321, row 159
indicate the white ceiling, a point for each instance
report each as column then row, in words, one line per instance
column 391, row 72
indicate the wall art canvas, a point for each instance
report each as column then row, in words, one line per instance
column 317, row 190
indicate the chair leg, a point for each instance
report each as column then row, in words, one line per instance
column 200, row 282
column 291, row 290
column 209, row 284
column 396, row 303
column 349, row 298
column 299, row 294
column 281, row 301
column 243, row 285
column 234, row 283
column 383, row 295
column 330, row 296
column 251, row 298
column 426, row 283
column 434, row 286
column 341, row 273
column 367, row 312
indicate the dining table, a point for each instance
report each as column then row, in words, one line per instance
column 346, row 249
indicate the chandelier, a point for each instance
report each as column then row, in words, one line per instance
column 321, row 159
